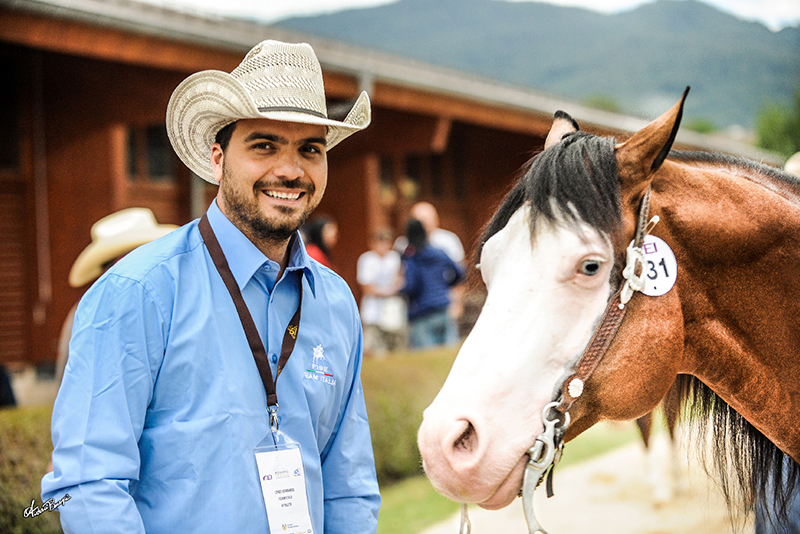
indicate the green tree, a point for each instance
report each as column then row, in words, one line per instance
column 778, row 127
column 603, row 102
column 701, row 125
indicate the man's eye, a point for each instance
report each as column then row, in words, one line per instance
column 313, row 149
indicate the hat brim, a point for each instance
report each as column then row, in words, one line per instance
column 89, row 264
column 207, row 101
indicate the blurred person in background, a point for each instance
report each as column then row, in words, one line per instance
column 383, row 310
column 7, row 399
column 113, row 237
column 320, row 235
column 429, row 273
column 426, row 213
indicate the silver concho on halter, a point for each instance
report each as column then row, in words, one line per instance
column 575, row 388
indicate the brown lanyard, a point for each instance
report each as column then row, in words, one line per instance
column 250, row 330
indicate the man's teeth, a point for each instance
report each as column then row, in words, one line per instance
column 283, row 196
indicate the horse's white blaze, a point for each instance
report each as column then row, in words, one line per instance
column 540, row 312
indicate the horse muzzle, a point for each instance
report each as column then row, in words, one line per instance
column 462, row 464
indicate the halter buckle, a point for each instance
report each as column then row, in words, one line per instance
column 543, row 455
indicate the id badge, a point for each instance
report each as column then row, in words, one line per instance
column 283, row 484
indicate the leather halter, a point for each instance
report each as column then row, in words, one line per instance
column 546, row 450
column 572, row 388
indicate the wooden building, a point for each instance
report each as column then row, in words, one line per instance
column 86, row 85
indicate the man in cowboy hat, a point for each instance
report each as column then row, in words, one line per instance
column 213, row 382
column 113, row 236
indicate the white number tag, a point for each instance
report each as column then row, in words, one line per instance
column 283, row 484
column 661, row 267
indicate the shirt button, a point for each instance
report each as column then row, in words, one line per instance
column 274, row 358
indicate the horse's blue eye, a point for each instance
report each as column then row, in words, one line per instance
column 590, row 267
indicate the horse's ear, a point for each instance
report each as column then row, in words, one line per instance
column 562, row 125
column 646, row 150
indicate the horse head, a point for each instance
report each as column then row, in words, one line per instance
column 551, row 258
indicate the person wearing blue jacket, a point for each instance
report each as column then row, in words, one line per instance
column 213, row 382
column 429, row 274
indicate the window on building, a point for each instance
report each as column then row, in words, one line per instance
column 150, row 156
column 10, row 134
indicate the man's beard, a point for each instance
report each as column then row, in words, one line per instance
column 245, row 212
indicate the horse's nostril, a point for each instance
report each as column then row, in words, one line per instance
column 466, row 440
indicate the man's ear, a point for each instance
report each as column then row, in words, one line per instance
column 217, row 160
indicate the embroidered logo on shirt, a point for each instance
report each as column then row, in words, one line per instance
column 319, row 371
column 319, row 354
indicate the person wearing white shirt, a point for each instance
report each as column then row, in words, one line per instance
column 383, row 312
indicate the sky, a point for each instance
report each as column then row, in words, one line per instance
column 775, row 14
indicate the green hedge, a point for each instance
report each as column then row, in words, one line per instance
column 25, row 449
column 397, row 389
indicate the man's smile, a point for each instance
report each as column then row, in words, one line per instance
column 283, row 195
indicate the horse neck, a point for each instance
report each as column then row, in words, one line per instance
column 736, row 235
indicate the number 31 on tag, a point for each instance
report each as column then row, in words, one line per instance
column 661, row 267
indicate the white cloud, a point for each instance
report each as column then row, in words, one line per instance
column 776, row 14
column 268, row 10
column 603, row 6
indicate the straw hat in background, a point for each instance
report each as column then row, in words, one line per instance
column 275, row 80
column 792, row 165
column 114, row 236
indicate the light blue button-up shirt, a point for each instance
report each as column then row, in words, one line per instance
column 161, row 403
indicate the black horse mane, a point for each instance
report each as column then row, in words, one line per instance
column 749, row 468
column 577, row 179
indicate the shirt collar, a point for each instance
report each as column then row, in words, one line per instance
column 244, row 258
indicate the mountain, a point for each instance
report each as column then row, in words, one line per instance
column 639, row 60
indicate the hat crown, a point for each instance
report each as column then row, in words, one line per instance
column 123, row 221
column 275, row 81
column 283, row 77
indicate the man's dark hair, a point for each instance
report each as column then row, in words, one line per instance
column 416, row 234
column 224, row 135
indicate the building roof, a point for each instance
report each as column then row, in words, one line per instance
column 367, row 66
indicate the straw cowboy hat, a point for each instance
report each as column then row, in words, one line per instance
column 275, row 80
column 113, row 236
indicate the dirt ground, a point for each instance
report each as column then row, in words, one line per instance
column 611, row 495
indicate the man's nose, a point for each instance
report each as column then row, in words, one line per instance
column 289, row 167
